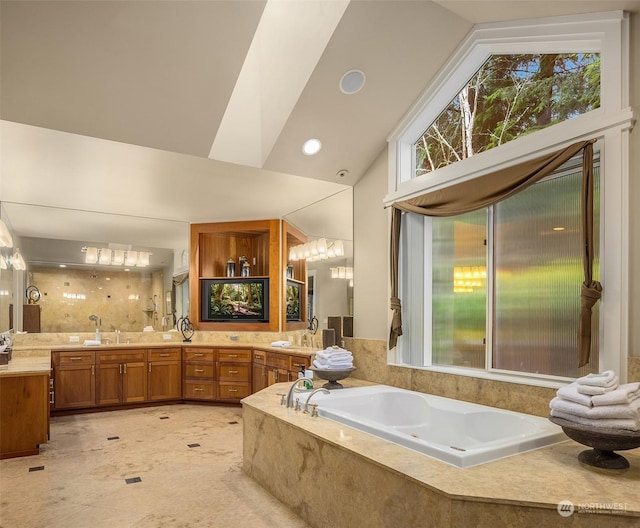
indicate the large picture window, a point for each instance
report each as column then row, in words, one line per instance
column 506, row 281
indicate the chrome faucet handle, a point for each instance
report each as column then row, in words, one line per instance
column 283, row 398
column 314, row 410
column 297, row 407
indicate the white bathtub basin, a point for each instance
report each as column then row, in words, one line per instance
column 459, row 433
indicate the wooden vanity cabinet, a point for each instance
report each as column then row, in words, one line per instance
column 199, row 381
column 164, row 374
column 121, row 376
column 74, row 380
column 284, row 367
column 24, row 414
column 234, row 373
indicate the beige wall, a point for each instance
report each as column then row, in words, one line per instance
column 370, row 253
column 634, row 192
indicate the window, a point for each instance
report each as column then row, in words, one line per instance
column 507, row 309
column 525, row 320
column 509, row 96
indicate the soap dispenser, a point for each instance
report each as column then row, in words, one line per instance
column 98, row 339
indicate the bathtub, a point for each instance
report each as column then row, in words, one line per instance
column 458, row 433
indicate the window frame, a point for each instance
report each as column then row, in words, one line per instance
column 611, row 123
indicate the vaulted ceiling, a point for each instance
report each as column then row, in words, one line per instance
column 195, row 111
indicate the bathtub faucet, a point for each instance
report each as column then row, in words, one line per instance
column 289, row 399
column 306, row 405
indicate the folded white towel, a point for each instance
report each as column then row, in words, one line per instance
column 91, row 342
column 623, row 395
column 338, row 355
column 335, row 361
column 334, row 366
column 631, row 411
column 281, row 344
column 592, row 390
column 602, row 379
column 608, row 423
column 570, row 392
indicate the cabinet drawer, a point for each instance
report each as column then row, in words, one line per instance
column 234, row 391
column 121, row 356
column 73, row 358
column 201, row 354
column 295, row 362
column 199, row 370
column 161, row 354
column 259, row 357
column 278, row 360
column 199, row 390
column 229, row 371
column 234, row 355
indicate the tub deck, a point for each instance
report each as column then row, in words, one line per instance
column 320, row 468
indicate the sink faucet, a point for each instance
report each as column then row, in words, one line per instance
column 289, row 400
column 321, row 389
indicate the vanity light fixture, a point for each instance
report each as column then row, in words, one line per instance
column 17, row 261
column 315, row 250
column 105, row 257
column 5, row 237
column 115, row 257
column 342, row 272
column 311, row 146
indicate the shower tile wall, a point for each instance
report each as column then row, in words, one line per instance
column 120, row 299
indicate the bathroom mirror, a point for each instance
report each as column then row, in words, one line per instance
column 79, row 297
column 330, row 218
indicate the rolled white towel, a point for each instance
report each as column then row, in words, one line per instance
column 608, row 423
column 593, row 390
column 319, row 365
column 624, row 394
column 570, row 392
column 91, row 342
column 602, row 379
column 630, row 411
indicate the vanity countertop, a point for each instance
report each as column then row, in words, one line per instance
column 40, row 351
column 26, row 366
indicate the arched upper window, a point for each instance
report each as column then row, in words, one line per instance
column 509, row 96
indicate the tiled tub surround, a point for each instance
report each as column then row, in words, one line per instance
column 333, row 475
column 370, row 358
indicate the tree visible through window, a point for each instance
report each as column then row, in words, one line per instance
column 509, row 96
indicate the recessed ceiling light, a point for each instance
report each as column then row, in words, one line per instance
column 352, row 82
column 311, row 147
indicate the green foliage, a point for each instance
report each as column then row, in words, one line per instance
column 510, row 96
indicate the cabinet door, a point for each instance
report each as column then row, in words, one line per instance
column 109, row 384
column 164, row 380
column 260, row 379
column 74, row 386
column 277, row 375
column 134, row 382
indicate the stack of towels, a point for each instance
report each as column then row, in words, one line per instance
column 597, row 400
column 334, row 358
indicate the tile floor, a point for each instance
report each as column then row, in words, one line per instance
column 156, row 467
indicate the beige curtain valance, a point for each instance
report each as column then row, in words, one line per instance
column 487, row 190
